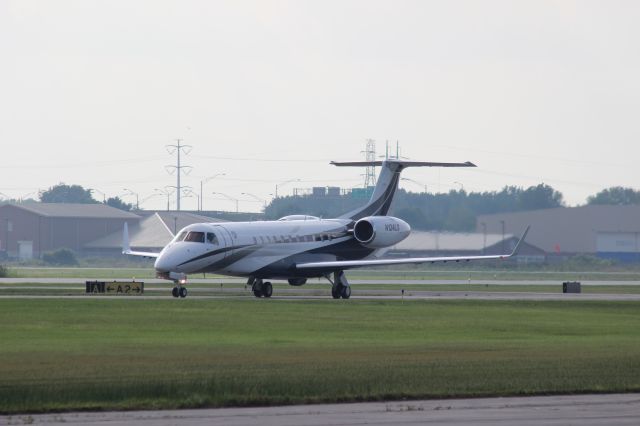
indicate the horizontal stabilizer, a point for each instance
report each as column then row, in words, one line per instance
column 401, row 163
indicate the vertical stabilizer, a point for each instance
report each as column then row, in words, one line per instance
column 387, row 185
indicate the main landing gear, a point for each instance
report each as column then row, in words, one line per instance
column 340, row 287
column 260, row 288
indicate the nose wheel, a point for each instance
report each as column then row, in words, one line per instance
column 179, row 291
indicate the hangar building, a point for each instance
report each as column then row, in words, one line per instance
column 28, row 230
column 606, row 231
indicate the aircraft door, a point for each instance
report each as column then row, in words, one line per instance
column 225, row 237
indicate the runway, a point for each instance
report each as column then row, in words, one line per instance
column 580, row 410
column 242, row 281
column 364, row 295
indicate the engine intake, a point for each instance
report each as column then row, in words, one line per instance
column 380, row 231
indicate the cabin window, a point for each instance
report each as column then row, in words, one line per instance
column 309, row 238
column 212, row 239
column 195, row 237
column 318, row 238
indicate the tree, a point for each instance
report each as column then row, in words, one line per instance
column 540, row 197
column 62, row 257
column 616, row 195
column 117, row 203
column 62, row 193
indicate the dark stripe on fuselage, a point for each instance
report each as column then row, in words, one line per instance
column 243, row 252
column 286, row 267
column 212, row 253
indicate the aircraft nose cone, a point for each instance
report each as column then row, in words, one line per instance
column 162, row 264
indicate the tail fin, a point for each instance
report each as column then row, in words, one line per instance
column 387, row 185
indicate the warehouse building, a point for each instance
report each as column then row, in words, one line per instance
column 28, row 230
column 606, row 231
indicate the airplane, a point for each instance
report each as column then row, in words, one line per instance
column 298, row 247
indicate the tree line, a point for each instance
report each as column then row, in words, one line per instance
column 452, row 211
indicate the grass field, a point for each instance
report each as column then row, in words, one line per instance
column 124, row 354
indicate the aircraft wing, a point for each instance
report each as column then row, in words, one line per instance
column 148, row 254
column 347, row 264
column 126, row 248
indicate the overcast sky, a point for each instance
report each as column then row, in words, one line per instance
column 91, row 92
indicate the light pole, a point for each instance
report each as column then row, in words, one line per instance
column 416, row 182
column 262, row 200
column 104, row 196
column 130, row 192
column 284, row 183
column 165, row 192
column 484, row 236
column 228, row 197
column 190, row 193
column 205, row 180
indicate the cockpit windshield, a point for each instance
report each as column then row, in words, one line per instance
column 180, row 237
column 195, row 237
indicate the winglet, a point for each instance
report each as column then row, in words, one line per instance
column 520, row 241
column 126, row 247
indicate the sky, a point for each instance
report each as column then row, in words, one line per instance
column 264, row 92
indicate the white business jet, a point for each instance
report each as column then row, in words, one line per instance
column 298, row 247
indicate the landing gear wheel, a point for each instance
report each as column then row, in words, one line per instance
column 256, row 286
column 175, row 292
column 346, row 292
column 267, row 289
column 183, row 292
column 335, row 293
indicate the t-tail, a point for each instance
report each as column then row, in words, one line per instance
column 387, row 185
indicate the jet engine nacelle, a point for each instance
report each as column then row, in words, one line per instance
column 380, row 231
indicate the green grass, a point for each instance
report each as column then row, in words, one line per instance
column 124, row 354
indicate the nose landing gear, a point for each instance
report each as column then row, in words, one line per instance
column 179, row 290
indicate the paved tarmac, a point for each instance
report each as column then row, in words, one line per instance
column 363, row 295
column 580, row 410
column 243, row 281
